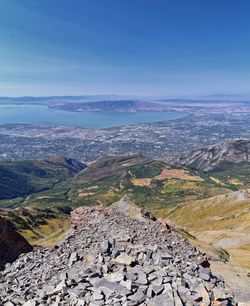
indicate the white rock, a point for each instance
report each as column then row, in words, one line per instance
column 124, row 259
column 30, row 303
column 114, row 277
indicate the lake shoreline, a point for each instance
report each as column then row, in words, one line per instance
column 44, row 115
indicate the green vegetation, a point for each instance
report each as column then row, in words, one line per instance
column 153, row 185
column 235, row 176
column 23, row 178
column 39, row 225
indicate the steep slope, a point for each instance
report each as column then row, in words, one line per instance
column 12, row 244
column 223, row 221
column 221, row 225
column 39, row 225
column 217, row 157
column 110, row 259
column 22, row 178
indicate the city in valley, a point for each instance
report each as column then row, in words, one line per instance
column 204, row 123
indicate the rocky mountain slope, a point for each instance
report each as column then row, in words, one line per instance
column 217, row 157
column 110, row 258
column 12, row 244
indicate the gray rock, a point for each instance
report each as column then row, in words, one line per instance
column 161, row 300
column 106, row 246
column 142, row 278
column 113, row 286
column 204, row 295
column 137, row 298
column 73, row 258
column 127, row 283
column 157, row 289
column 151, row 267
column 218, row 294
column 97, row 294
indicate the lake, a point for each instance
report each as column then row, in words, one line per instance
column 39, row 114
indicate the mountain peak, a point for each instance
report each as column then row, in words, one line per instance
column 128, row 207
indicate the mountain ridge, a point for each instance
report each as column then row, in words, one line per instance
column 26, row 177
column 216, row 157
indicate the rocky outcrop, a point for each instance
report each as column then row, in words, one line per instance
column 216, row 156
column 127, row 207
column 12, row 244
column 84, row 216
column 111, row 259
column 72, row 165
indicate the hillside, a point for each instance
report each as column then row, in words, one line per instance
column 43, row 217
column 152, row 184
column 12, row 244
column 223, row 221
column 109, row 259
column 39, row 225
column 19, row 179
column 217, row 157
column 220, row 224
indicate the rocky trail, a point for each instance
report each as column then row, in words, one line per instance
column 113, row 258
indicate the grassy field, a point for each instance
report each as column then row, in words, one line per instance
column 221, row 221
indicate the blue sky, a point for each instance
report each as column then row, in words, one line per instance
column 130, row 47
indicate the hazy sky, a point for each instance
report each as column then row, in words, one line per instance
column 143, row 47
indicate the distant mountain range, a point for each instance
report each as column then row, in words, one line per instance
column 89, row 103
column 111, row 106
